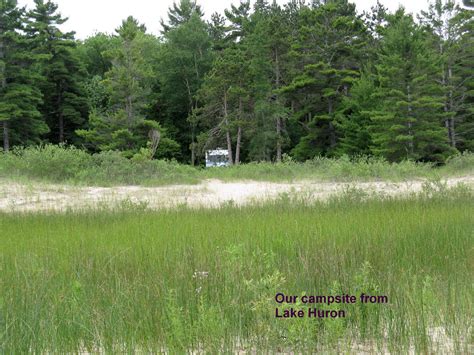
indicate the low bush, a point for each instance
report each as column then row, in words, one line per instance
column 62, row 164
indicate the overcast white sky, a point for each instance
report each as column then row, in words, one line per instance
column 89, row 16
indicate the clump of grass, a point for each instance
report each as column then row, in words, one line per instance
column 61, row 164
column 204, row 280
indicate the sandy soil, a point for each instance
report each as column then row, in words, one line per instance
column 210, row 193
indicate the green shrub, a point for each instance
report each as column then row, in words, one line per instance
column 63, row 164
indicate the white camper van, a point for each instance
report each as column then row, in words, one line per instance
column 218, row 157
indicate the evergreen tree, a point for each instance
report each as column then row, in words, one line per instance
column 328, row 54
column 19, row 95
column 269, row 45
column 184, row 60
column 239, row 18
column 92, row 52
column 354, row 118
column 408, row 120
column 123, row 126
column 308, row 78
column 180, row 14
column 226, row 97
column 217, row 32
column 465, row 82
column 451, row 28
column 64, row 106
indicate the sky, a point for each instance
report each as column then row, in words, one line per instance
column 89, row 16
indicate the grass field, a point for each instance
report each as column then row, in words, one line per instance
column 69, row 165
column 205, row 280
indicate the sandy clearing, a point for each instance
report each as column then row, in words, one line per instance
column 210, row 193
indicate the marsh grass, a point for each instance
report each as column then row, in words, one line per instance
column 204, row 280
column 60, row 164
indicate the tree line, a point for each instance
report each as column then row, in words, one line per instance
column 267, row 82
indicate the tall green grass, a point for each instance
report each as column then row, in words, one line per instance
column 205, row 280
column 57, row 164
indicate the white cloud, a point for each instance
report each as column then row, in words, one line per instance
column 89, row 16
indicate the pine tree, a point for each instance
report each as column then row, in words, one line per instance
column 268, row 45
column 239, row 18
column 465, row 85
column 354, row 118
column 328, row 52
column 217, row 32
column 180, row 14
column 408, row 120
column 19, row 95
column 184, row 60
column 92, row 53
column 123, row 126
column 64, row 106
column 226, row 97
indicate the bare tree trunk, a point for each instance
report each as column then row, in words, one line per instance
column 129, row 111
column 238, row 145
column 193, row 153
column 279, row 147
column 410, row 124
column 61, row 128
column 61, row 116
column 229, row 140
column 451, row 129
column 239, row 133
column 278, row 120
column 6, row 139
column 193, row 124
column 3, row 85
column 446, row 108
column 332, row 129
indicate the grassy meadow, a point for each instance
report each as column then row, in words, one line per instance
column 205, row 280
column 72, row 166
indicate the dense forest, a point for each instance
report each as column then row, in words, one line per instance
column 267, row 82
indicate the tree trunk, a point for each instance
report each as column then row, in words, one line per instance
column 193, row 146
column 238, row 145
column 410, row 125
column 129, row 111
column 61, row 128
column 278, row 121
column 446, row 108
column 193, row 154
column 332, row 129
column 61, row 117
column 279, row 148
column 6, row 139
column 3, row 85
column 239, row 133
column 229, row 140
column 193, row 124
column 451, row 129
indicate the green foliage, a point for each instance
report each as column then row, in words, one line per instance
column 64, row 106
column 93, row 53
column 20, row 97
column 226, row 94
column 325, row 75
column 180, row 13
column 183, row 62
column 305, row 79
column 60, row 164
column 118, row 103
column 71, row 165
column 408, row 122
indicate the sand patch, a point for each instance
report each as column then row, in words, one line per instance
column 210, row 193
